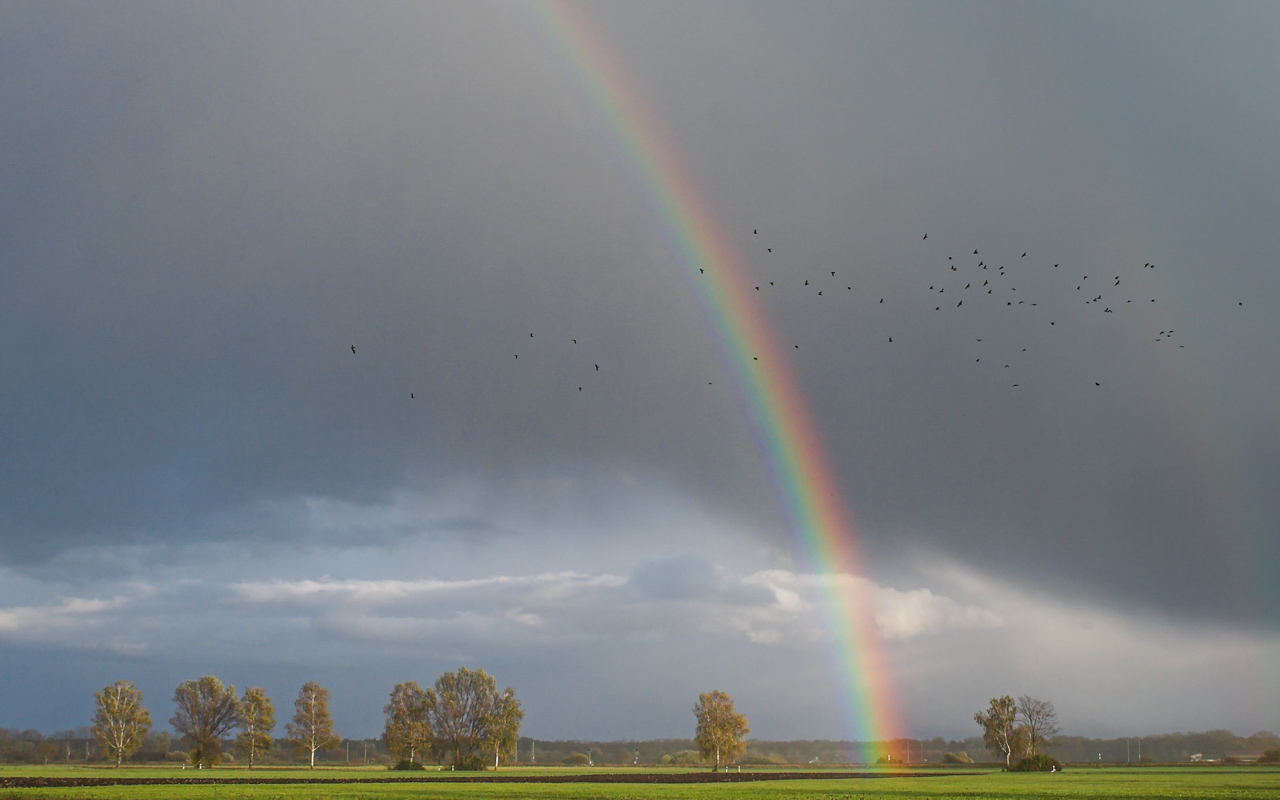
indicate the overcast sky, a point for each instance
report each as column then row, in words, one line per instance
column 203, row 208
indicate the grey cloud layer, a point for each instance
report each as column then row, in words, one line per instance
column 203, row 208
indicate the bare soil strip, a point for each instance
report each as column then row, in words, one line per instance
column 604, row 777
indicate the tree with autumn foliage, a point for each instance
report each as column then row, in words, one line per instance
column 257, row 720
column 721, row 734
column 120, row 723
column 312, row 728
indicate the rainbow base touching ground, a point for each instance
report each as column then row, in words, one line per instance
column 814, row 506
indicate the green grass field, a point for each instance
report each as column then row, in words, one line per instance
column 976, row 784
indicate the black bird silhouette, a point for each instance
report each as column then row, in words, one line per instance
column 754, row 231
column 353, row 349
column 517, row 355
column 966, row 286
column 797, row 347
column 819, row 294
column 882, row 300
column 701, row 270
column 1096, row 383
column 833, row 274
column 575, row 341
column 984, row 283
column 531, row 336
column 926, row 236
column 579, row 388
column 1024, row 255
column 597, row 367
column 770, row 249
column 975, row 252
column 770, row 283
column 891, row 338
column 757, row 288
column 959, row 304
column 410, row 395
column 806, row 283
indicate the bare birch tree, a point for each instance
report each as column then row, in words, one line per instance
column 120, row 723
column 1039, row 721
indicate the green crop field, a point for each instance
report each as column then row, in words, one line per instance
column 976, row 784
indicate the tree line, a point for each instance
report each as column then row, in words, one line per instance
column 462, row 717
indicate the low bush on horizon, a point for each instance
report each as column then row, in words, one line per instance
column 1037, row 763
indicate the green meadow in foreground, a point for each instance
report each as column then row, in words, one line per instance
column 1147, row 782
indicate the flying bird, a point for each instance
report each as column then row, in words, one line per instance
column 753, row 231
column 353, row 349
column 597, row 367
column 926, row 236
column 410, row 395
column 975, row 252
column 1024, row 255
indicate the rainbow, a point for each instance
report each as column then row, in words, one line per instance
column 813, row 505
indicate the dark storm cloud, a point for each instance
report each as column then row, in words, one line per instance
column 204, row 208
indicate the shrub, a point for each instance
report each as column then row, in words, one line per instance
column 1271, row 756
column 405, row 763
column 760, row 758
column 1038, row 763
column 577, row 759
column 957, row 758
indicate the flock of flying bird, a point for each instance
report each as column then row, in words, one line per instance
column 991, row 288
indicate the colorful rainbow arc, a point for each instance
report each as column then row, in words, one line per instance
column 813, row 503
